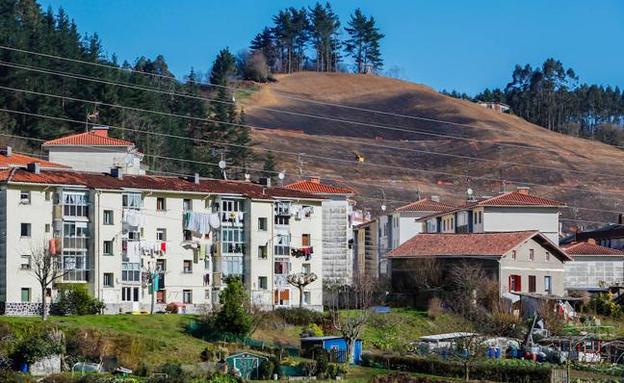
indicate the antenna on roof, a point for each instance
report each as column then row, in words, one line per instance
column 223, row 164
column 383, row 203
column 300, row 164
column 281, row 177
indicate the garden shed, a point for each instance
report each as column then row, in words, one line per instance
column 247, row 364
column 332, row 344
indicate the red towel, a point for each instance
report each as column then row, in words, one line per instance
column 163, row 247
column 52, row 247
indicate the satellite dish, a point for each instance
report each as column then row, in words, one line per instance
column 222, row 164
column 281, row 175
column 233, row 99
column 470, row 191
column 247, row 176
column 383, row 207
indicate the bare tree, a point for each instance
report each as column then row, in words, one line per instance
column 468, row 350
column 300, row 281
column 423, row 273
column 47, row 268
column 358, row 298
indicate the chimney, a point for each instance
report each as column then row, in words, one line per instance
column 6, row 151
column 265, row 181
column 591, row 241
column 435, row 198
column 315, row 180
column 117, row 172
column 100, row 130
column 523, row 190
column 34, row 167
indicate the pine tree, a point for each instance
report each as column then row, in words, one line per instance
column 263, row 42
column 324, row 27
column 268, row 168
column 363, row 43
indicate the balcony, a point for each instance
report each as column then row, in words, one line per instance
column 76, row 275
column 79, row 243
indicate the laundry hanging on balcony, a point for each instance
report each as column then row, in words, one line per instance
column 302, row 252
column 133, row 218
column 200, row 223
column 52, row 246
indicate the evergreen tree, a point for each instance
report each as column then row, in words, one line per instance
column 263, row 42
column 324, row 27
column 268, row 168
column 233, row 316
column 363, row 43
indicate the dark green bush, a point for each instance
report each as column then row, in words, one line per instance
column 266, row 370
column 299, row 316
column 76, row 300
column 478, row 371
column 34, row 347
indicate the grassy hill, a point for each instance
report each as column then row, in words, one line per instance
column 485, row 144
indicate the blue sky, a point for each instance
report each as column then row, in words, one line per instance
column 446, row 44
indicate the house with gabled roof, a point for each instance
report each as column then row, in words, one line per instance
column 11, row 159
column 511, row 211
column 95, row 151
column 595, row 267
column 520, row 261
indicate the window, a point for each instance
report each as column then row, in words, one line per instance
column 25, row 230
column 75, row 235
column 187, row 204
column 548, row 284
column 262, row 252
column 531, row 254
column 130, row 294
column 515, row 283
column 48, row 195
column 232, row 265
column 25, row 262
column 282, row 266
column 108, row 217
column 230, row 210
column 75, row 204
column 130, row 272
column 282, row 244
column 132, row 200
column 282, row 208
column 161, row 234
column 532, row 284
column 233, row 240
column 263, row 283
column 307, row 298
column 262, row 223
column 25, row 294
column 47, row 227
column 188, row 266
column 547, row 256
column 161, row 265
column 161, row 296
column 514, row 254
column 161, row 203
column 187, row 296
column 108, row 279
column 207, row 295
column 282, row 220
column 305, row 240
column 76, row 265
column 25, row 197
column 108, row 248
column 306, row 268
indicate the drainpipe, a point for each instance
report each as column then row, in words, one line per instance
column 97, row 244
column 270, row 247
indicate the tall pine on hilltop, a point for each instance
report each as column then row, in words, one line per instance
column 324, row 28
column 363, row 43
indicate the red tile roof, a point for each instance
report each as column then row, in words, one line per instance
column 509, row 199
column 425, row 205
column 88, row 138
column 317, row 188
column 473, row 244
column 16, row 159
column 586, row 248
column 151, row 182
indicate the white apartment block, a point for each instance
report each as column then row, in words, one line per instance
column 109, row 231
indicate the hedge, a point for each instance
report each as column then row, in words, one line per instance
column 440, row 367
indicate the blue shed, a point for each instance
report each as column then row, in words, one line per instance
column 335, row 345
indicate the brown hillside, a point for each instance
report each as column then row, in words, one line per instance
column 501, row 138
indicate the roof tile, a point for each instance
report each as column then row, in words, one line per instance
column 88, row 138
column 317, row 188
column 17, row 159
column 586, row 248
column 425, row 205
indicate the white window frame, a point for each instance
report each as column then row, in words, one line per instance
column 130, row 272
column 187, row 296
column 25, row 197
column 75, row 204
column 106, row 276
column 161, row 234
column 108, row 217
column 111, row 247
column 25, row 262
column 132, row 200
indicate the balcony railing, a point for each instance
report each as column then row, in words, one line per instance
column 76, row 275
column 75, row 242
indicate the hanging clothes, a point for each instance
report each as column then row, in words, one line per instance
column 215, row 221
column 202, row 250
column 163, row 247
column 52, row 246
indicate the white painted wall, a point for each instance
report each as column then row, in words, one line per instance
column 587, row 272
column 545, row 220
column 96, row 159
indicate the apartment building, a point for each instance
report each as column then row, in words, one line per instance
column 511, row 211
column 337, row 228
column 115, row 233
column 595, row 267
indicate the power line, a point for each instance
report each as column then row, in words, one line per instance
column 275, row 172
column 510, row 163
column 333, row 119
column 417, row 170
column 112, row 67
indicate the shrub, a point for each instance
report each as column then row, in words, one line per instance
column 75, row 300
column 36, row 346
column 234, row 317
column 299, row 316
column 478, row 371
column 434, row 308
column 171, row 308
column 311, row 330
column 266, row 370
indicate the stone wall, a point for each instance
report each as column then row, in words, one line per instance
column 21, row 308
